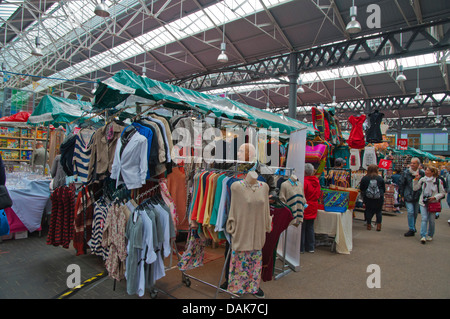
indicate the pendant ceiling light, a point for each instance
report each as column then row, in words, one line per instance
column 36, row 51
column 444, row 129
column 102, row 10
column 353, row 26
column 418, row 96
column 223, row 57
column 438, row 120
column 400, row 77
column 300, row 87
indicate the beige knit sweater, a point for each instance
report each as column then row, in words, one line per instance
column 249, row 216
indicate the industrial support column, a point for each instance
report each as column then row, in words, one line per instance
column 293, row 78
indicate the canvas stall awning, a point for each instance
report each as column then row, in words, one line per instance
column 125, row 88
column 55, row 109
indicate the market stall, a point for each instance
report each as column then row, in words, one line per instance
column 149, row 114
column 30, row 186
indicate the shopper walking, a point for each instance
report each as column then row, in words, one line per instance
column 372, row 189
column 411, row 197
column 432, row 191
column 311, row 187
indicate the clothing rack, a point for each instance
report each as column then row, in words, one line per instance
column 187, row 277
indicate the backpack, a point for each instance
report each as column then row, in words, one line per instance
column 373, row 192
column 444, row 182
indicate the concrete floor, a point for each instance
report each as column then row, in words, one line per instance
column 30, row 269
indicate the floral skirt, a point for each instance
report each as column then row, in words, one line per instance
column 245, row 271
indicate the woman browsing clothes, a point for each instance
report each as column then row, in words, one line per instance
column 432, row 193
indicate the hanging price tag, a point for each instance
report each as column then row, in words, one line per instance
column 402, row 144
column 385, row 164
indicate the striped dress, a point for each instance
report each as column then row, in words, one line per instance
column 82, row 154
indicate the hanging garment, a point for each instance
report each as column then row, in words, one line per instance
column 194, row 252
column 356, row 138
column 343, row 151
column 130, row 163
column 61, row 228
column 114, row 239
column 167, row 197
column 373, row 133
column 355, row 159
column 84, row 214
column 245, row 271
column 281, row 218
column 103, row 147
column 67, row 149
column 176, row 185
column 82, row 154
column 320, row 123
column 291, row 194
column 370, row 157
column 95, row 243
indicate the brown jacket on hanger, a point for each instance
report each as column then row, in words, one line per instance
column 103, row 147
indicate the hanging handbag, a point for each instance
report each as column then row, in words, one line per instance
column 4, row 224
column 434, row 207
column 315, row 153
column 5, row 199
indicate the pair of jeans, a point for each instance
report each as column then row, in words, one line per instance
column 413, row 210
column 307, row 237
column 448, row 199
column 428, row 222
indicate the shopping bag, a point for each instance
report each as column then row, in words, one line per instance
column 315, row 153
column 4, row 224
column 352, row 194
column 334, row 201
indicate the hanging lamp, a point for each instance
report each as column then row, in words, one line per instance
column 102, row 10
column 353, row 26
column 418, row 96
column 400, row 77
column 36, row 51
column 300, row 88
column 223, row 57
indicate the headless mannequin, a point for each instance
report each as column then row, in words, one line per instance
column 251, row 178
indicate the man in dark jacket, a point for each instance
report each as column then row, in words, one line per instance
column 411, row 197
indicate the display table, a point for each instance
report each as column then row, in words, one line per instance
column 337, row 225
column 29, row 203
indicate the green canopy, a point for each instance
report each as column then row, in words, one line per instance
column 417, row 153
column 58, row 110
column 127, row 88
